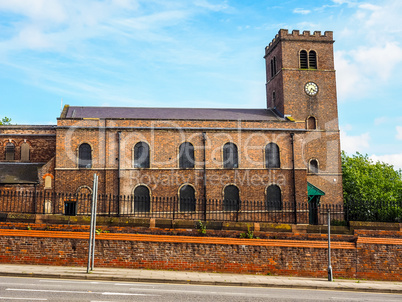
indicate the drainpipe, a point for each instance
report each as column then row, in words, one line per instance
column 204, row 138
column 118, row 169
column 293, row 176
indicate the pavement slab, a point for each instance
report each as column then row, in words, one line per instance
column 158, row 276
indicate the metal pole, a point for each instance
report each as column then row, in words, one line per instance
column 330, row 277
column 91, row 243
column 294, row 177
column 95, row 194
column 204, row 138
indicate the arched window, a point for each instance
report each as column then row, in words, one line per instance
column 85, row 156
column 10, row 151
column 25, row 152
column 141, row 155
column 272, row 157
column 303, row 59
column 311, row 123
column 312, row 59
column 142, row 199
column 231, row 198
column 186, row 156
column 230, row 156
column 187, row 198
column 313, row 166
column 273, row 199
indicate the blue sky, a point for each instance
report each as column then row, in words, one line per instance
column 200, row 53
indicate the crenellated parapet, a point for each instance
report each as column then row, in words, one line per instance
column 295, row 35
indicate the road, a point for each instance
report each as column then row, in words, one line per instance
column 33, row 289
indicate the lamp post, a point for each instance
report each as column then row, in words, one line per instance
column 330, row 277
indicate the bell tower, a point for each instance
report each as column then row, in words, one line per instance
column 300, row 77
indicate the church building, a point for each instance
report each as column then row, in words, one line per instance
column 288, row 152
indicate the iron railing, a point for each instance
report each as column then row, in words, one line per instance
column 46, row 202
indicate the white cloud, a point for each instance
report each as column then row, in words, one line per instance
column 301, row 11
column 399, row 132
column 350, row 81
column 378, row 60
column 380, row 120
column 392, row 159
column 360, row 70
column 213, row 7
column 354, row 143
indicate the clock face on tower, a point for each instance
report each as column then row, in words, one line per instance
column 311, row 88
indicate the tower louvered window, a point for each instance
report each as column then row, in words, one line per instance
column 312, row 59
column 303, row 59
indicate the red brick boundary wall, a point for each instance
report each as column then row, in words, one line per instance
column 365, row 257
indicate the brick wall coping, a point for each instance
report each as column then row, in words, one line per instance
column 372, row 240
column 180, row 239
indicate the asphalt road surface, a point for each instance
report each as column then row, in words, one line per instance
column 33, row 289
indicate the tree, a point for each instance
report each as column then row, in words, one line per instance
column 5, row 121
column 372, row 191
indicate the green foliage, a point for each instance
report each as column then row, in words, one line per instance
column 202, row 228
column 372, row 191
column 338, row 222
column 249, row 234
column 365, row 180
column 5, row 121
column 100, row 231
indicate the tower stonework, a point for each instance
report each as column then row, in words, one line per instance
column 286, row 85
column 301, row 85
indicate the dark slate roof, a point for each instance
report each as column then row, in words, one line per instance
column 19, row 173
column 173, row 113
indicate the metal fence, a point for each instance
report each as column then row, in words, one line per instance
column 382, row 211
column 45, row 202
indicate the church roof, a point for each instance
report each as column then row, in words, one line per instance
column 19, row 173
column 172, row 113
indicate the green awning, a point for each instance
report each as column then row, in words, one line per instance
column 313, row 190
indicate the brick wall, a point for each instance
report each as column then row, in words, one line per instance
column 365, row 257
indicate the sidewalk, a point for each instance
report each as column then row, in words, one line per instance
column 155, row 276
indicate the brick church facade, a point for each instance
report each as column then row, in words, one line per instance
column 287, row 152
